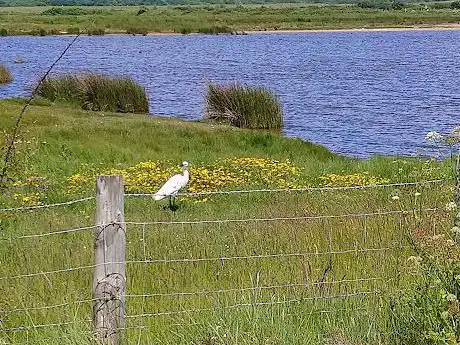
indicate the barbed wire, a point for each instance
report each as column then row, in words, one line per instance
column 255, row 304
column 303, row 189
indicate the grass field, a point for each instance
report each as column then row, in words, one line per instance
column 268, row 299
column 214, row 19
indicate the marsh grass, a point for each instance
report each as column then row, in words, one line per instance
column 96, row 92
column 244, row 106
column 118, row 19
column 5, row 75
column 60, row 142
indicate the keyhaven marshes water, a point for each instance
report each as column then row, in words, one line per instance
column 358, row 93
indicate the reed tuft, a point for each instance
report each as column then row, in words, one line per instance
column 96, row 92
column 5, row 75
column 244, row 106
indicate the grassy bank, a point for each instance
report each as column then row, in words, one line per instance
column 335, row 294
column 213, row 19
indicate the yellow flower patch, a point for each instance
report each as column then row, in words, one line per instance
column 358, row 179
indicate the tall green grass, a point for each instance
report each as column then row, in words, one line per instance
column 244, row 106
column 96, row 92
column 60, row 141
column 5, row 75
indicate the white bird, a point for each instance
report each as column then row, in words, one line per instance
column 173, row 185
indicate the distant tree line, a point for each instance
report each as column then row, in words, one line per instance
column 380, row 4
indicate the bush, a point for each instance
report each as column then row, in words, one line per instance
column 244, row 107
column 96, row 92
column 214, row 30
column 137, row 31
column 428, row 313
column 96, row 32
column 5, row 75
column 3, row 32
column 455, row 5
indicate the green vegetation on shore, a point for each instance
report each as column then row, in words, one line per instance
column 59, row 152
column 5, row 75
column 96, row 92
column 220, row 18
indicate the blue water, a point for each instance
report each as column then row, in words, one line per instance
column 358, row 93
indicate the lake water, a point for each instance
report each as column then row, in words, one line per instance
column 358, row 93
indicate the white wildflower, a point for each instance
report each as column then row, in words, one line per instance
column 417, row 194
column 395, row 197
column 433, row 136
column 451, row 297
column 455, row 230
column 445, row 314
column 451, row 206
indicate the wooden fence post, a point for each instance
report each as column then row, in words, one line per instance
column 109, row 281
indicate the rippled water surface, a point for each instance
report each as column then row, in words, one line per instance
column 359, row 93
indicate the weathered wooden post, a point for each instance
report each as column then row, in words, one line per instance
column 109, row 281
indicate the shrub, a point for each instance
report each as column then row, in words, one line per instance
column 244, row 107
column 137, row 31
column 96, row 32
column 214, row 30
column 3, row 32
column 428, row 313
column 5, row 75
column 455, row 5
column 96, row 92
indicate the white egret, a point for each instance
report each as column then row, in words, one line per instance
column 173, row 185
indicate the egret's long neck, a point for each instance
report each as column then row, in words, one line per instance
column 185, row 173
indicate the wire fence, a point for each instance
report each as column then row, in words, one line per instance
column 335, row 264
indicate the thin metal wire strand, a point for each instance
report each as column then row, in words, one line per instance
column 57, row 232
column 194, row 293
column 276, row 219
column 268, row 287
column 305, row 189
column 188, row 260
column 265, row 256
column 256, row 304
column 38, row 207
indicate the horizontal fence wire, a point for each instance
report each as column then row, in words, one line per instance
column 52, row 233
column 304, row 189
column 191, row 260
column 275, row 190
column 40, row 207
column 277, row 219
column 253, row 288
column 257, row 304
column 222, row 221
column 197, row 293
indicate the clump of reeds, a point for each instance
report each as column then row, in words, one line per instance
column 96, row 92
column 5, row 75
column 244, row 106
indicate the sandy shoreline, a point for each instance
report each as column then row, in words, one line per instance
column 448, row 26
